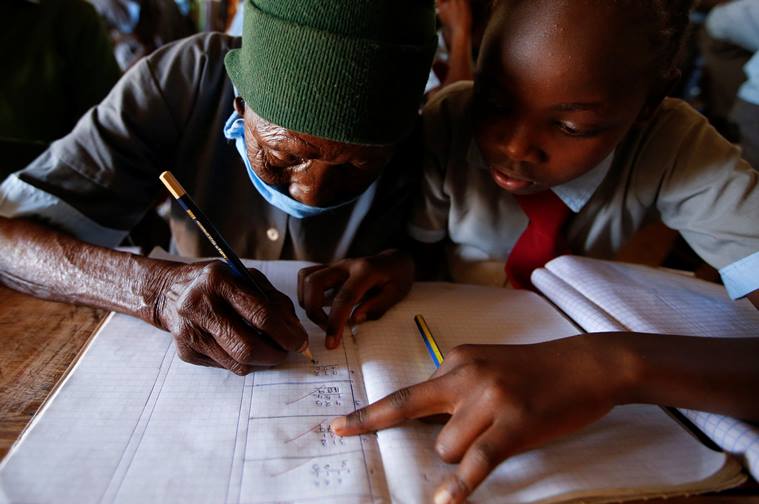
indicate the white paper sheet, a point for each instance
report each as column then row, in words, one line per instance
column 134, row 424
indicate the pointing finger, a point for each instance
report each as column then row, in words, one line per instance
column 420, row 400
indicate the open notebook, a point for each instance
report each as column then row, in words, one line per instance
column 608, row 296
column 133, row 423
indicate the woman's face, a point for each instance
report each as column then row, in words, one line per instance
column 312, row 170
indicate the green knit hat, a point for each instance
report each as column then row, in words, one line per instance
column 348, row 70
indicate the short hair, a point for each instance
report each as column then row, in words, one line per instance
column 671, row 22
column 672, row 18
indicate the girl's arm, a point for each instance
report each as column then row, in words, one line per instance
column 506, row 399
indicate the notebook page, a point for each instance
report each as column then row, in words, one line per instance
column 646, row 299
column 635, row 450
column 585, row 313
column 730, row 434
column 133, row 423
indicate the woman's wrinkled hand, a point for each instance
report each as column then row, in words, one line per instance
column 219, row 320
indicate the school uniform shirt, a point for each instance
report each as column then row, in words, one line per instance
column 168, row 113
column 677, row 169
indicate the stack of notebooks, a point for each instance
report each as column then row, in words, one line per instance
column 132, row 423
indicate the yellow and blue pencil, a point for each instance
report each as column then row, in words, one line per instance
column 429, row 340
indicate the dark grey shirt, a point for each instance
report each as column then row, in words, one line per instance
column 167, row 113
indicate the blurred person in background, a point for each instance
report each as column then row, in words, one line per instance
column 57, row 62
column 461, row 26
column 139, row 27
column 732, row 66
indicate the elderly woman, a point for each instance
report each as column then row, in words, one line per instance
column 289, row 139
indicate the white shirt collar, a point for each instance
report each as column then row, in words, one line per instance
column 575, row 194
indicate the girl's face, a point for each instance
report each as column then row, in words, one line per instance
column 558, row 85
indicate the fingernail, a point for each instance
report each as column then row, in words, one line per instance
column 443, row 496
column 338, row 424
column 330, row 343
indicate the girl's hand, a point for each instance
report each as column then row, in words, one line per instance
column 366, row 287
column 503, row 399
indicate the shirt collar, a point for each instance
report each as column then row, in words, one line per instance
column 575, row 194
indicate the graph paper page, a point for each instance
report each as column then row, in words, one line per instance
column 133, row 423
column 583, row 311
column 652, row 300
column 646, row 299
column 635, row 450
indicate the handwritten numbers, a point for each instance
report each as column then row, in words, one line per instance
column 326, row 475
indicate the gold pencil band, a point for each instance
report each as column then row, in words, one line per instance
column 172, row 184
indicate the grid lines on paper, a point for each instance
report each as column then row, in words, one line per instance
column 291, row 453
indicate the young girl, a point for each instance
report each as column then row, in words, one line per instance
column 563, row 143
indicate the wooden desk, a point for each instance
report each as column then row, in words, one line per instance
column 39, row 340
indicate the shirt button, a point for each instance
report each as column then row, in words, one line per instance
column 272, row 234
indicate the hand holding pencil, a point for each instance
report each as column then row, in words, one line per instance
column 223, row 315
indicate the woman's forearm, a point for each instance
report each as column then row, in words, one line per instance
column 45, row 263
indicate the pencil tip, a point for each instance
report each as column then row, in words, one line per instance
column 308, row 355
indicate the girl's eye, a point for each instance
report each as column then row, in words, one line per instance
column 570, row 130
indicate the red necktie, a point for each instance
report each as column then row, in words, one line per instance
column 543, row 239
